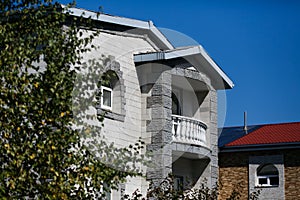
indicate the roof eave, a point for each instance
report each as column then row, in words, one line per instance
column 185, row 52
column 122, row 21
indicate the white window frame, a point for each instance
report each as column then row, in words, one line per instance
column 102, row 99
column 268, row 184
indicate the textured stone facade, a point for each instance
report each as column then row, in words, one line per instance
column 233, row 174
column 198, row 100
column 213, row 126
column 160, row 127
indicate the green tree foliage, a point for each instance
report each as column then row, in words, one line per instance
column 42, row 154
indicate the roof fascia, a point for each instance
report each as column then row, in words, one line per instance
column 139, row 24
column 216, row 68
column 159, row 35
column 184, row 52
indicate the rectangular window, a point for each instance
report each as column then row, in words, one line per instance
column 106, row 98
column 268, row 180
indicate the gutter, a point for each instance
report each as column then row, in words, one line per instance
column 260, row 147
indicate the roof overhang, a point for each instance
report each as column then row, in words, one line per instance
column 142, row 27
column 196, row 56
column 260, row 147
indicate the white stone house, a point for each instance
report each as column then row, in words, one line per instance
column 165, row 95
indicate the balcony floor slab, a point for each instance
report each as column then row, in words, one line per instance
column 190, row 151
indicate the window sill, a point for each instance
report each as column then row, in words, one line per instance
column 110, row 114
column 266, row 186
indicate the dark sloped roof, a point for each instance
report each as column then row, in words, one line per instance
column 268, row 134
column 230, row 134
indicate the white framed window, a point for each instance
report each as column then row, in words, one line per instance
column 267, row 176
column 106, row 98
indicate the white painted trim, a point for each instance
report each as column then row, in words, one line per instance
column 111, row 98
column 268, row 184
column 216, row 67
column 146, row 25
column 108, row 18
column 161, row 36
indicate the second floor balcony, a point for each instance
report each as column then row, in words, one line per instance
column 188, row 130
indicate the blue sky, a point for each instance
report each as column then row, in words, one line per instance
column 255, row 42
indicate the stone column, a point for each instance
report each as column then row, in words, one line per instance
column 160, row 127
column 214, row 136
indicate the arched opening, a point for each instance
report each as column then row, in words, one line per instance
column 176, row 108
column 267, row 175
column 110, row 92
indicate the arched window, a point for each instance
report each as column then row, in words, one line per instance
column 267, row 175
column 110, row 89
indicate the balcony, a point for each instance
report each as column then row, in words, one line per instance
column 188, row 130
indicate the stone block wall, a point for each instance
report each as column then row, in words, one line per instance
column 160, row 127
column 213, row 131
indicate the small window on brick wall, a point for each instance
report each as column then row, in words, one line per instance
column 267, row 175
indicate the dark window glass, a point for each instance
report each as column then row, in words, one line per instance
column 268, row 169
column 262, row 181
column 175, row 105
column 274, row 180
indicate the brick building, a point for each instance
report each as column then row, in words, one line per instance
column 262, row 157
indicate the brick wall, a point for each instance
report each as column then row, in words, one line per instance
column 233, row 172
column 292, row 175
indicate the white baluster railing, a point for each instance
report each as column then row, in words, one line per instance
column 188, row 130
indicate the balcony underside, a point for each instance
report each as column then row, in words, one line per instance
column 190, row 151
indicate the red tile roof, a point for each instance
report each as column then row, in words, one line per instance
column 270, row 134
